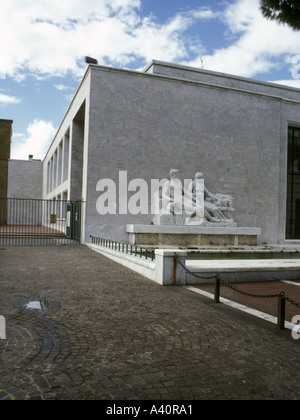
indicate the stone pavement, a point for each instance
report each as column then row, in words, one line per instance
column 105, row 332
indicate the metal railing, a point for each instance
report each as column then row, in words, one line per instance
column 125, row 248
column 282, row 298
column 34, row 222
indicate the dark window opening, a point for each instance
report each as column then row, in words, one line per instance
column 293, row 185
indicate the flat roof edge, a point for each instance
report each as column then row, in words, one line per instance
column 6, row 121
column 219, row 74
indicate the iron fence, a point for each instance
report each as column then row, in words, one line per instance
column 33, row 222
column 126, row 248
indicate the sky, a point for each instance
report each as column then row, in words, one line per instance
column 43, row 44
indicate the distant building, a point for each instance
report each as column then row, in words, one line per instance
column 243, row 134
column 25, row 178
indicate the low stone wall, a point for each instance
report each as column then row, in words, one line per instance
column 166, row 270
column 188, row 236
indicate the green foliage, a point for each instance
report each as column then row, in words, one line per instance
column 284, row 11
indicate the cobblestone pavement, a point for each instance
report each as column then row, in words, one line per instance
column 110, row 334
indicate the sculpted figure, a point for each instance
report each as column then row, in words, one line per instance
column 172, row 194
column 168, row 201
column 192, row 205
column 214, row 205
column 187, row 204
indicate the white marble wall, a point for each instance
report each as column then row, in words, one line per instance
column 146, row 124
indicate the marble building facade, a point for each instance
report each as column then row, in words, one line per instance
column 242, row 134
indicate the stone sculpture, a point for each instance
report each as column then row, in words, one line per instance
column 192, row 205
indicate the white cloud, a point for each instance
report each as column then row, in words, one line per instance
column 35, row 142
column 51, row 38
column 255, row 44
column 167, row 41
column 8, row 100
column 61, row 87
column 291, row 83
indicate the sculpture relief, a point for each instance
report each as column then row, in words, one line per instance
column 192, row 204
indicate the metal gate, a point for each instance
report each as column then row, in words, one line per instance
column 30, row 222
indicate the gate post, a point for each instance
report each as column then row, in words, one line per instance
column 69, row 220
column 74, row 220
column 168, row 270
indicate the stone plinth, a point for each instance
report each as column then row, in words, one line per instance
column 192, row 236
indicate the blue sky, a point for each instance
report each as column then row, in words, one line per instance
column 43, row 44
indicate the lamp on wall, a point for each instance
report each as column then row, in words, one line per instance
column 90, row 60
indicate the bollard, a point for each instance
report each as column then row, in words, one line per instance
column 281, row 311
column 217, row 289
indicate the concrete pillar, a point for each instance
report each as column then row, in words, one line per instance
column 170, row 272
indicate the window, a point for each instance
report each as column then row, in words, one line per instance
column 293, row 185
column 66, row 152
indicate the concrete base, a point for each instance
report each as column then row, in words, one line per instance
column 192, row 236
column 165, row 270
column 243, row 270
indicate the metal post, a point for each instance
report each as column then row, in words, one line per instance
column 217, row 289
column 281, row 311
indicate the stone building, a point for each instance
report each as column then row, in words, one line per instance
column 18, row 178
column 123, row 126
column 241, row 133
column 25, row 178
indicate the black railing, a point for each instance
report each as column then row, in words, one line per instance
column 126, row 248
column 37, row 222
column 282, row 298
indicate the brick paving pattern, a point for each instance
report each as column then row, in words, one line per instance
column 110, row 334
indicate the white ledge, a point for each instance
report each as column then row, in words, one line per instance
column 193, row 230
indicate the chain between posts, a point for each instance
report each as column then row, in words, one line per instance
column 282, row 298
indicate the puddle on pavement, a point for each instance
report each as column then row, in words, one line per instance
column 40, row 304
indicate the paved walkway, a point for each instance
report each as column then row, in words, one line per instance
column 107, row 333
